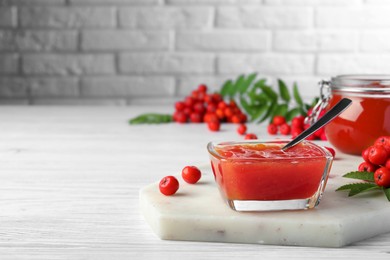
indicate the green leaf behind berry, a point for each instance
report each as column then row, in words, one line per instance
column 387, row 193
column 356, row 188
column 283, row 90
column 151, row 118
column 297, row 96
column 366, row 176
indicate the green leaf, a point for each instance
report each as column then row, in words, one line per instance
column 259, row 111
column 258, row 98
column 247, row 83
column 283, row 90
column 227, row 88
column 151, row 118
column 293, row 113
column 362, row 187
column 387, row 193
column 260, row 82
column 270, row 111
column 239, row 84
column 297, row 96
column 367, row 176
column 356, row 188
column 280, row 110
column 245, row 105
column 269, row 92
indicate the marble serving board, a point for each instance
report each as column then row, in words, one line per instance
column 198, row 213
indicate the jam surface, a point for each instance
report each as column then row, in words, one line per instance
column 265, row 172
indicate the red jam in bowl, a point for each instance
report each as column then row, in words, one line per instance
column 254, row 175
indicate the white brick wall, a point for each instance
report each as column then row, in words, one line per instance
column 122, row 52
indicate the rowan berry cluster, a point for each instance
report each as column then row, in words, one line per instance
column 377, row 160
column 297, row 126
column 201, row 106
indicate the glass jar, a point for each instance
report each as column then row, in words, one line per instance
column 366, row 119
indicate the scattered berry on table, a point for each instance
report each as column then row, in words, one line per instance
column 250, row 136
column 168, row 185
column 214, row 126
column 241, row 129
column 191, row 174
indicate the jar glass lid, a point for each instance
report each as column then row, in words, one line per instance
column 361, row 83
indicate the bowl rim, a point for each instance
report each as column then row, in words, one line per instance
column 211, row 149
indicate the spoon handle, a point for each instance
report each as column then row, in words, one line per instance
column 326, row 118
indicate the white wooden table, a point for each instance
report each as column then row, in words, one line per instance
column 69, row 183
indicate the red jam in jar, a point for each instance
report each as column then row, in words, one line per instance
column 266, row 177
column 366, row 119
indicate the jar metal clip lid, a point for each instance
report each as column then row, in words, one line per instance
column 322, row 103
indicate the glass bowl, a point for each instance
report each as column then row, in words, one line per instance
column 258, row 176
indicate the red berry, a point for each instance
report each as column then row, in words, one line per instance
column 323, row 137
column 211, row 108
column 310, row 137
column 365, row 154
column 214, row 126
column 295, row 132
column 382, row 177
column 285, row 129
column 168, row 185
column 191, row 174
column 377, row 155
column 196, row 117
column 236, row 119
column 180, row 117
column 331, row 150
column 272, row 129
column 189, row 101
column 199, row 107
column 387, row 164
column 310, row 111
column 385, row 142
column 217, row 97
column 241, row 129
column 250, row 136
column 228, row 112
column 208, row 99
column 222, row 105
column 319, row 132
column 233, row 104
column 322, row 112
column 306, row 126
column 244, row 118
column 208, row 117
column 219, row 112
column 187, row 111
column 366, row 167
column 179, row 106
column 279, row 120
column 202, row 88
column 297, row 121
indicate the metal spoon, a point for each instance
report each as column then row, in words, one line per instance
column 326, row 118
